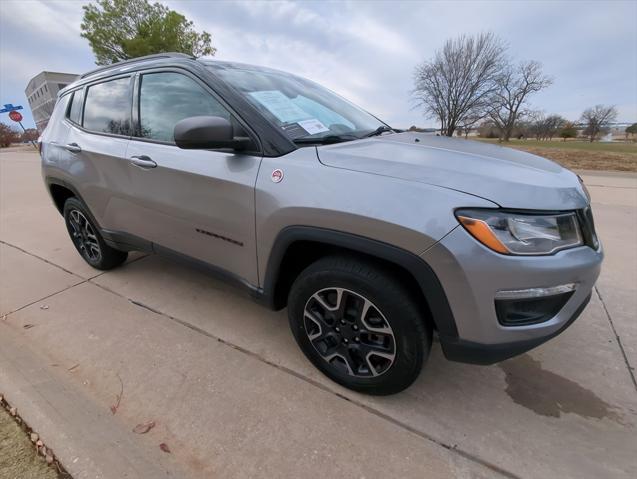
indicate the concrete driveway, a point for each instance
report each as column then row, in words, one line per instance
column 85, row 356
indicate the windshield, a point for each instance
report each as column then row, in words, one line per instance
column 303, row 109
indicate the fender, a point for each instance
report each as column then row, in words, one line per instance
column 51, row 180
column 426, row 278
column 114, row 239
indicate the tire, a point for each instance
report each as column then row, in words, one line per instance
column 87, row 239
column 379, row 353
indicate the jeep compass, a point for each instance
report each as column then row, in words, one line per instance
column 374, row 239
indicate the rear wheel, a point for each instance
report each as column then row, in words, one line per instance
column 359, row 325
column 87, row 239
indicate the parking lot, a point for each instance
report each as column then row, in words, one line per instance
column 85, row 356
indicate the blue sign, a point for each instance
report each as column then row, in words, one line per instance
column 10, row 107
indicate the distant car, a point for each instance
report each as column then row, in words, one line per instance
column 373, row 239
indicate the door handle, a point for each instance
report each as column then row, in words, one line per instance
column 73, row 147
column 143, row 161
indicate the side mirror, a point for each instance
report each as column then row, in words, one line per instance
column 206, row 132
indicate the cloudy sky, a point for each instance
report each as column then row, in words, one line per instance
column 364, row 50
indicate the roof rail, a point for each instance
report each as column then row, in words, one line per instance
column 134, row 60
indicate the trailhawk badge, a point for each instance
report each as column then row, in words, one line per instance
column 277, row 175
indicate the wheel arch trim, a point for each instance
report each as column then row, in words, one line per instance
column 51, row 180
column 422, row 273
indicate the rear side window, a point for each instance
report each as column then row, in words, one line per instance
column 75, row 111
column 167, row 98
column 59, row 110
column 107, row 108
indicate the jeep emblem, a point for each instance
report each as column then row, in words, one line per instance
column 277, row 175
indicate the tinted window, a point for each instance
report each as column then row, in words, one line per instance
column 166, row 98
column 75, row 112
column 107, row 107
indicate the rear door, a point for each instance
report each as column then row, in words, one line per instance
column 95, row 148
column 196, row 202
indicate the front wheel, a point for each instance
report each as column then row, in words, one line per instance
column 87, row 239
column 359, row 325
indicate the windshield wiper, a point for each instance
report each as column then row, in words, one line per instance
column 325, row 140
column 381, row 129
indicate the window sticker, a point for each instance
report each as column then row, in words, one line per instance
column 313, row 126
column 280, row 106
column 294, row 131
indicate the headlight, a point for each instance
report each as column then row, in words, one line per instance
column 522, row 234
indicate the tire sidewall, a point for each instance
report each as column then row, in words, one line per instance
column 74, row 204
column 411, row 348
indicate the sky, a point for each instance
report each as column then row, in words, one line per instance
column 363, row 50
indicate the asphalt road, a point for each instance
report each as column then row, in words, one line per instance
column 232, row 396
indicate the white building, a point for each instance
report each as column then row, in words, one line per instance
column 41, row 92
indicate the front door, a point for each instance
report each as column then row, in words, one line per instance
column 196, row 202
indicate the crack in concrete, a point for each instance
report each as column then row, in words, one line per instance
column 41, row 258
column 618, row 339
column 44, row 298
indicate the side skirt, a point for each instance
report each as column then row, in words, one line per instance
column 128, row 242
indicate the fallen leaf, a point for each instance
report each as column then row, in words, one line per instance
column 44, row 306
column 144, row 428
column 73, row 367
column 119, row 396
column 164, row 447
column 27, row 326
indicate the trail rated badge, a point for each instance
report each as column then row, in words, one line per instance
column 277, row 175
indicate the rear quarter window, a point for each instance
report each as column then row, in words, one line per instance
column 59, row 111
column 108, row 106
column 75, row 110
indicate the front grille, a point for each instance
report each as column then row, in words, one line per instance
column 587, row 225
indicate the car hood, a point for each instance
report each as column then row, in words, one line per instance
column 508, row 177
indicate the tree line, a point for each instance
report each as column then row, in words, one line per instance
column 10, row 134
column 472, row 81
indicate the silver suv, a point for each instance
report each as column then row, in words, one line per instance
column 373, row 238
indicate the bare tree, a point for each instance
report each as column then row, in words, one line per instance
column 596, row 120
column 509, row 100
column 30, row 134
column 457, row 83
column 545, row 127
column 8, row 135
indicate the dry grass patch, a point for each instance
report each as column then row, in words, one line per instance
column 586, row 160
column 579, row 154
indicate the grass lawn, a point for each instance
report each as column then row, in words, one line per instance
column 18, row 458
column 577, row 154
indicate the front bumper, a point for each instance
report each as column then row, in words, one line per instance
column 472, row 275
